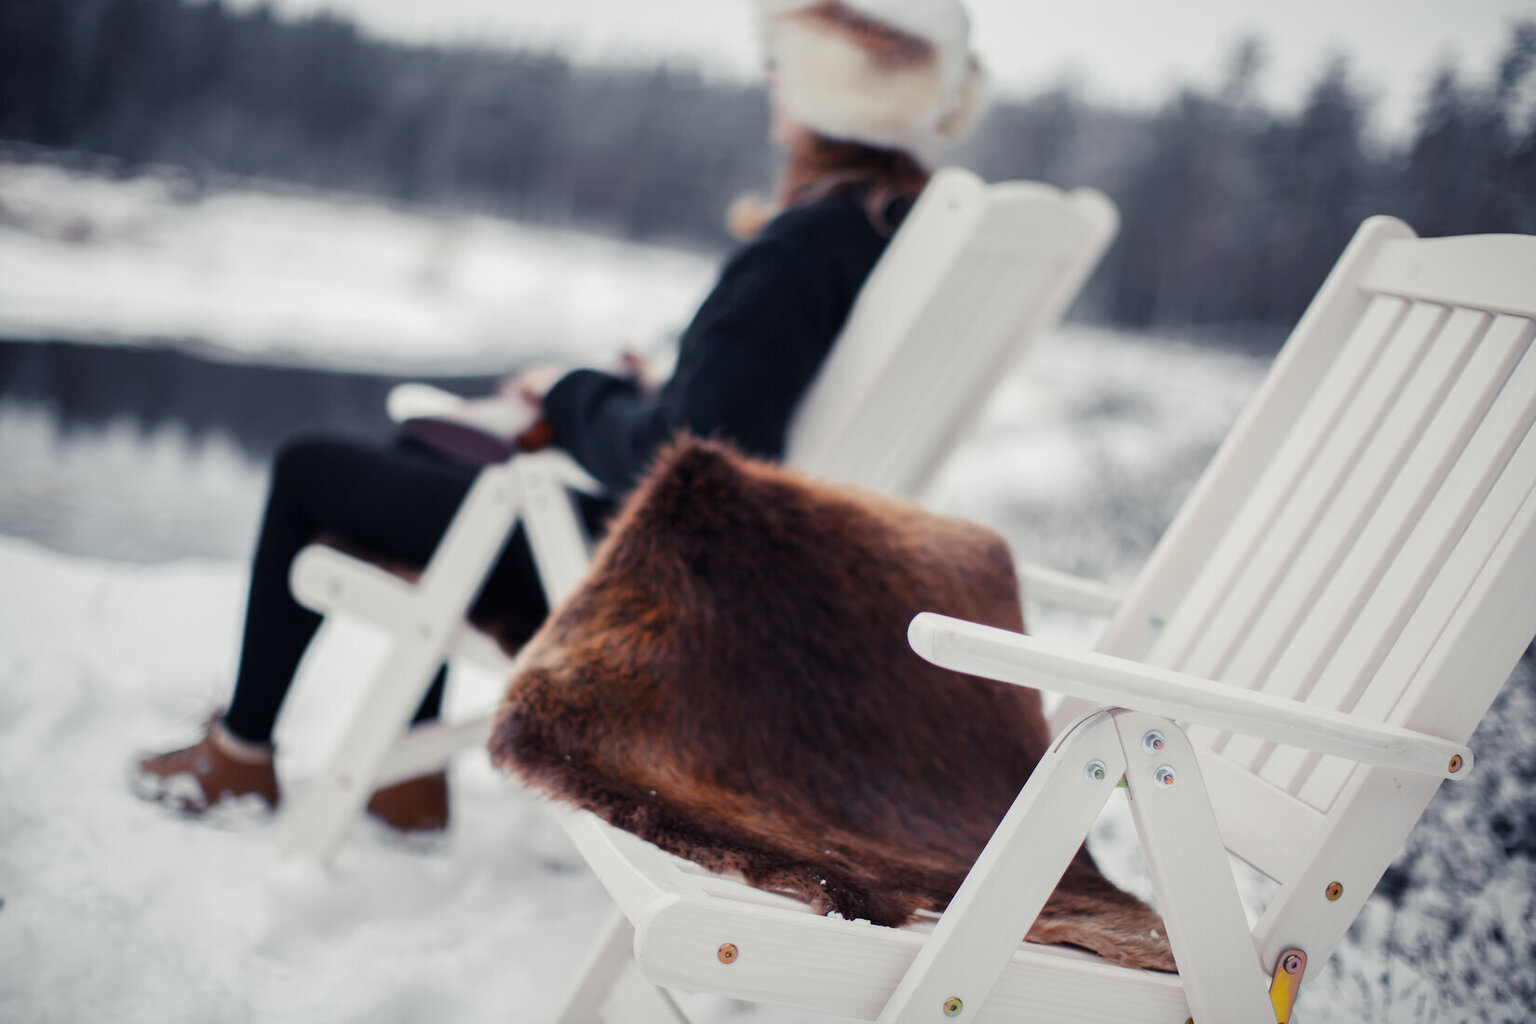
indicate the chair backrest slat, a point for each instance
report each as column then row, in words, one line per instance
column 1250, row 530
column 1431, row 577
column 972, row 276
column 1467, row 632
column 1348, row 518
column 1388, row 565
column 1257, row 615
column 1350, row 513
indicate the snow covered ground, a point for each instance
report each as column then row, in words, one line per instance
column 113, row 909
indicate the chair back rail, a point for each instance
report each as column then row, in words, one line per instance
column 984, row 269
column 1363, row 542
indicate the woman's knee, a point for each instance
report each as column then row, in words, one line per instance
column 307, row 459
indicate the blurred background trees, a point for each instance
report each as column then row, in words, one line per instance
column 1231, row 212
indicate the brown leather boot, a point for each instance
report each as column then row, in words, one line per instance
column 415, row 805
column 220, row 765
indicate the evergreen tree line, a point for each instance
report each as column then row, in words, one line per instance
column 1230, row 212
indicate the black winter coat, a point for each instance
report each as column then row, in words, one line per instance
column 746, row 359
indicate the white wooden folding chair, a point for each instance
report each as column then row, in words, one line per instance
column 975, row 273
column 1294, row 674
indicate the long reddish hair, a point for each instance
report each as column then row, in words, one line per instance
column 818, row 166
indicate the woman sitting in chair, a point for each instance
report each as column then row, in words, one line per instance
column 857, row 87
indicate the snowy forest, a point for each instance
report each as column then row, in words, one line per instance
column 1231, row 212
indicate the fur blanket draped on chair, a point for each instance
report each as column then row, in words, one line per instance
column 732, row 682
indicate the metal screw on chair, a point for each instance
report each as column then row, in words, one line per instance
column 1456, row 763
column 727, row 953
column 953, row 1006
column 1292, row 963
column 1152, row 742
column 1334, row 890
column 1164, row 776
column 1096, row 771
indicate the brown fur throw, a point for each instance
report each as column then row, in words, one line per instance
column 732, row 682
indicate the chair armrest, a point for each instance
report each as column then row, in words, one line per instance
column 1064, row 590
column 564, row 470
column 1028, row 661
column 411, row 399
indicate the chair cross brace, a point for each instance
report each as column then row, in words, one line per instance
column 954, row 973
column 425, row 620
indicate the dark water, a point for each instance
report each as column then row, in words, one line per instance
column 153, row 454
column 254, row 405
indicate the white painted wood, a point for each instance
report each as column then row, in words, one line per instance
column 611, row 952
column 640, row 877
column 1489, row 272
column 1428, row 505
column 427, row 747
column 325, row 580
column 611, row 989
column 1223, row 979
column 1327, row 511
column 477, row 648
column 1494, row 599
column 315, row 825
column 634, row 1000
column 436, row 609
column 1475, row 539
column 974, row 273
column 1013, row 877
column 1398, row 589
column 1250, row 447
column 983, row 268
column 1370, row 823
column 1210, row 612
column 798, row 959
column 412, row 399
column 795, row 958
column 1260, row 823
column 1064, row 590
column 1351, row 518
column 555, row 535
column 1029, row 661
column 1450, row 654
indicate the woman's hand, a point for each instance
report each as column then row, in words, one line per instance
column 531, row 386
column 533, row 383
column 637, row 369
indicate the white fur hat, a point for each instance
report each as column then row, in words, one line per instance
column 892, row 73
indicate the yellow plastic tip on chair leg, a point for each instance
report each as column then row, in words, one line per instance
column 1286, row 985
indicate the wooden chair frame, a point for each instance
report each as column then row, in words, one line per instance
column 974, row 274
column 1296, row 671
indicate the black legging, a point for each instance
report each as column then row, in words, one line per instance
column 392, row 504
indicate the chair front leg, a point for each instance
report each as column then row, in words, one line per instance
column 424, row 619
column 1218, row 962
column 610, row 986
column 1016, row 873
